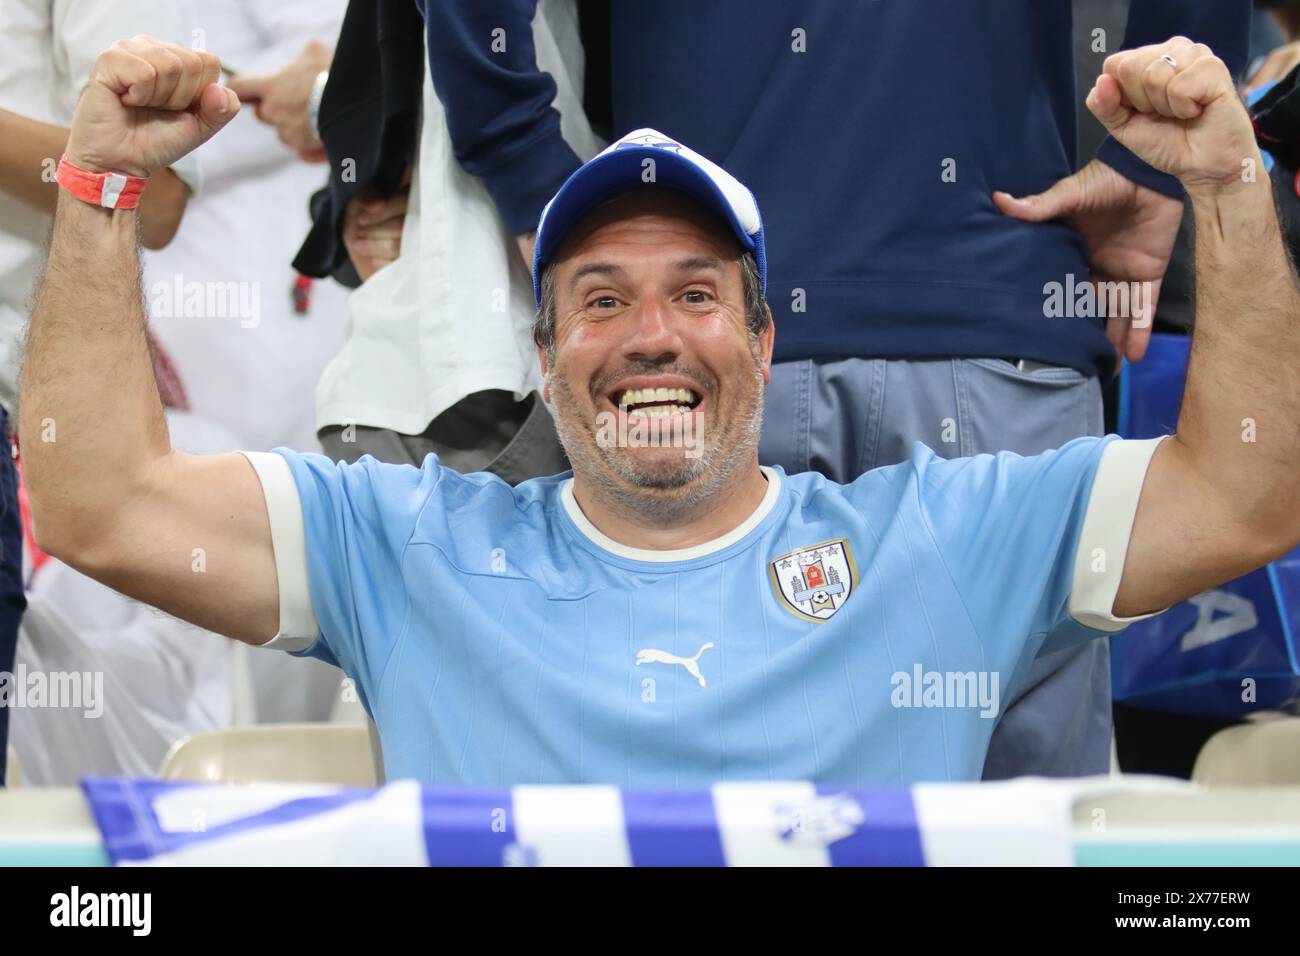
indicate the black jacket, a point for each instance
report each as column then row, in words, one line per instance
column 369, row 120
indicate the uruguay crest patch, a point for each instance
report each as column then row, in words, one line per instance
column 814, row 582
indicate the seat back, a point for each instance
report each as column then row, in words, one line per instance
column 13, row 769
column 1262, row 752
column 275, row 753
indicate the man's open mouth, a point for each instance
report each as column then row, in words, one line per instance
column 656, row 401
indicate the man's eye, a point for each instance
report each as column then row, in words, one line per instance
column 696, row 296
column 603, row 302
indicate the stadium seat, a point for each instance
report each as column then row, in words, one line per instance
column 13, row 769
column 275, row 753
column 1261, row 752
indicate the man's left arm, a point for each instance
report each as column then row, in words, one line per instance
column 1222, row 496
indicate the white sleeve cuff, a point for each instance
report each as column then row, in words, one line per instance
column 188, row 170
column 1107, row 526
column 298, row 627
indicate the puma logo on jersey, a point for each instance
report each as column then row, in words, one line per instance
column 650, row 655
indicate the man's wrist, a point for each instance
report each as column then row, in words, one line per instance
column 112, row 190
column 1237, row 209
column 93, row 225
column 81, row 161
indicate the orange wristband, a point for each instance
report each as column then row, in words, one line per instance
column 110, row 190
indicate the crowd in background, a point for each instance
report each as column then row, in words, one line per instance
column 349, row 269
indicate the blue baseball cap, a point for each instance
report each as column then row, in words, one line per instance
column 648, row 157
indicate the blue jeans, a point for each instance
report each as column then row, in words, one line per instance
column 843, row 417
column 12, row 599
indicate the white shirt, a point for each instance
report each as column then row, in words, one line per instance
column 219, row 297
column 47, row 48
column 453, row 315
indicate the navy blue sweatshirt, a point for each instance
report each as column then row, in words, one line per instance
column 845, row 146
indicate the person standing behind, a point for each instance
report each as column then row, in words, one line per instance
column 438, row 357
column 911, row 299
column 249, row 358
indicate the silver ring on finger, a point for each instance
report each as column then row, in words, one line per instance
column 1170, row 60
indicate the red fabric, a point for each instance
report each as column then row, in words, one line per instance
column 170, row 388
column 35, row 556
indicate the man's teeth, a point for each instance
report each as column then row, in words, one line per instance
column 666, row 400
column 655, row 411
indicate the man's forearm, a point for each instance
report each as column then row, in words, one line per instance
column 91, row 423
column 1240, row 420
column 29, row 150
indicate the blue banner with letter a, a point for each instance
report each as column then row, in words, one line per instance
column 1228, row 652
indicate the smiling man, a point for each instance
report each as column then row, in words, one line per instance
column 660, row 618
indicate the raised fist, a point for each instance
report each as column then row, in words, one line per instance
column 1174, row 105
column 147, row 104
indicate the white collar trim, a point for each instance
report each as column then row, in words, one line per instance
column 606, row 543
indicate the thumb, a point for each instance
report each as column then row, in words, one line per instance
column 1106, row 102
column 1063, row 198
column 217, row 107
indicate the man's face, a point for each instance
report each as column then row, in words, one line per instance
column 649, row 297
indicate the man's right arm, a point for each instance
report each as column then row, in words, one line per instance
column 187, row 534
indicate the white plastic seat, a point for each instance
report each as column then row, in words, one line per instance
column 1262, row 752
column 275, row 753
column 13, row 768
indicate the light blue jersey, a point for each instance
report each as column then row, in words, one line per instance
column 861, row 634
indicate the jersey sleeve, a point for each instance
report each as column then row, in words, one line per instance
column 1036, row 545
column 339, row 533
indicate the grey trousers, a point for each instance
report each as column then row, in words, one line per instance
column 843, row 417
column 486, row 431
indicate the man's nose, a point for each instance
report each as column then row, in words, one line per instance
column 654, row 334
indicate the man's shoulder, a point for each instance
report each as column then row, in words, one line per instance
column 813, row 490
column 431, row 488
column 926, row 473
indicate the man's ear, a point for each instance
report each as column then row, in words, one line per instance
column 766, row 341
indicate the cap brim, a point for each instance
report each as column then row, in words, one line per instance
column 612, row 173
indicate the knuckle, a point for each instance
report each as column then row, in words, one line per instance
column 167, row 64
column 192, row 63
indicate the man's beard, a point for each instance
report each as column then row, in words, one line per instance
column 667, row 486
